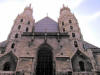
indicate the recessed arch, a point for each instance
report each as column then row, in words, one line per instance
column 19, row 27
column 73, row 34
column 7, row 66
column 16, row 35
column 28, row 22
column 44, row 60
column 80, row 62
column 81, row 65
column 75, row 44
column 21, row 20
column 27, row 29
column 62, row 23
column 71, row 27
column 13, row 45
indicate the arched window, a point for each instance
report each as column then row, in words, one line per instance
column 28, row 22
column 71, row 27
column 75, row 44
column 21, row 20
column 70, row 21
column 73, row 34
column 16, row 35
column 62, row 23
column 27, row 29
column 7, row 66
column 19, row 27
column 63, row 29
column 13, row 45
column 81, row 65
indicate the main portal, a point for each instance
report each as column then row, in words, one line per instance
column 44, row 61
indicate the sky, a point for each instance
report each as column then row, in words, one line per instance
column 86, row 11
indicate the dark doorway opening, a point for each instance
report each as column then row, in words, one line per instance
column 81, row 64
column 7, row 66
column 44, row 61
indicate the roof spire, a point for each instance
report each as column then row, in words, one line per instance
column 30, row 5
column 63, row 5
column 47, row 14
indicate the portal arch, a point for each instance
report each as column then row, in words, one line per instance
column 44, row 62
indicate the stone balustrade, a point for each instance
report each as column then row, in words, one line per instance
column 83, row 73
column 7, row 73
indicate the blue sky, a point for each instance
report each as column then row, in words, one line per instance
column 90, row 28
column 89, row 6
column 86, row 11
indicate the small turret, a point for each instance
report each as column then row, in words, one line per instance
column 28, row 10
column 64, row 11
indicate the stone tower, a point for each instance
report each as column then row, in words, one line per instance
column 69, row 24
column 48, row 47
column 23, row 23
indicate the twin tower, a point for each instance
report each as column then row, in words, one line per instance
column 47, row 47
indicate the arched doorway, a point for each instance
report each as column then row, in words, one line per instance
column 81, row 64
column 7, row 66
column 44, row 61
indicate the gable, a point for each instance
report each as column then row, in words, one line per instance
column 80, row 58
column 46, row 25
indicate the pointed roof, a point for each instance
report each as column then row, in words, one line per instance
column 80, row 53
column 88, row 45
column 28, row 10
column 64, row 8
column 46, row 25
column 10, row 54
column 3, row 44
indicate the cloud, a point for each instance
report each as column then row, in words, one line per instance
column 94, row 16
column 89, row 28
column 83, row 19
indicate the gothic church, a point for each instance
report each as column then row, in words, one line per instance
column 48, row 47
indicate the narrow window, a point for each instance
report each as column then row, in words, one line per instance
column 7, row 66
column 28, row 22
column 21, row 20
column 84, row 46
column 16, row 36
column 63, row 29
column 71, row 27
column 81, row 65
column 13, row 45
column 73, row 34
column 27, row 29
column 62, row 23
column 19, row 27
column 75, row 44
column 70, row 21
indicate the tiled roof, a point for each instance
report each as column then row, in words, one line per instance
column 3, row 44
column 46, row 25
column 92, row 47
column 88, row 45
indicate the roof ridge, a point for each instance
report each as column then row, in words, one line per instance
column 45, row 18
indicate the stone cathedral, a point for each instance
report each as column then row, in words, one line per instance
column 48, row 47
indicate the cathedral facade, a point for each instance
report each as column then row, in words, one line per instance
column 48, row 47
